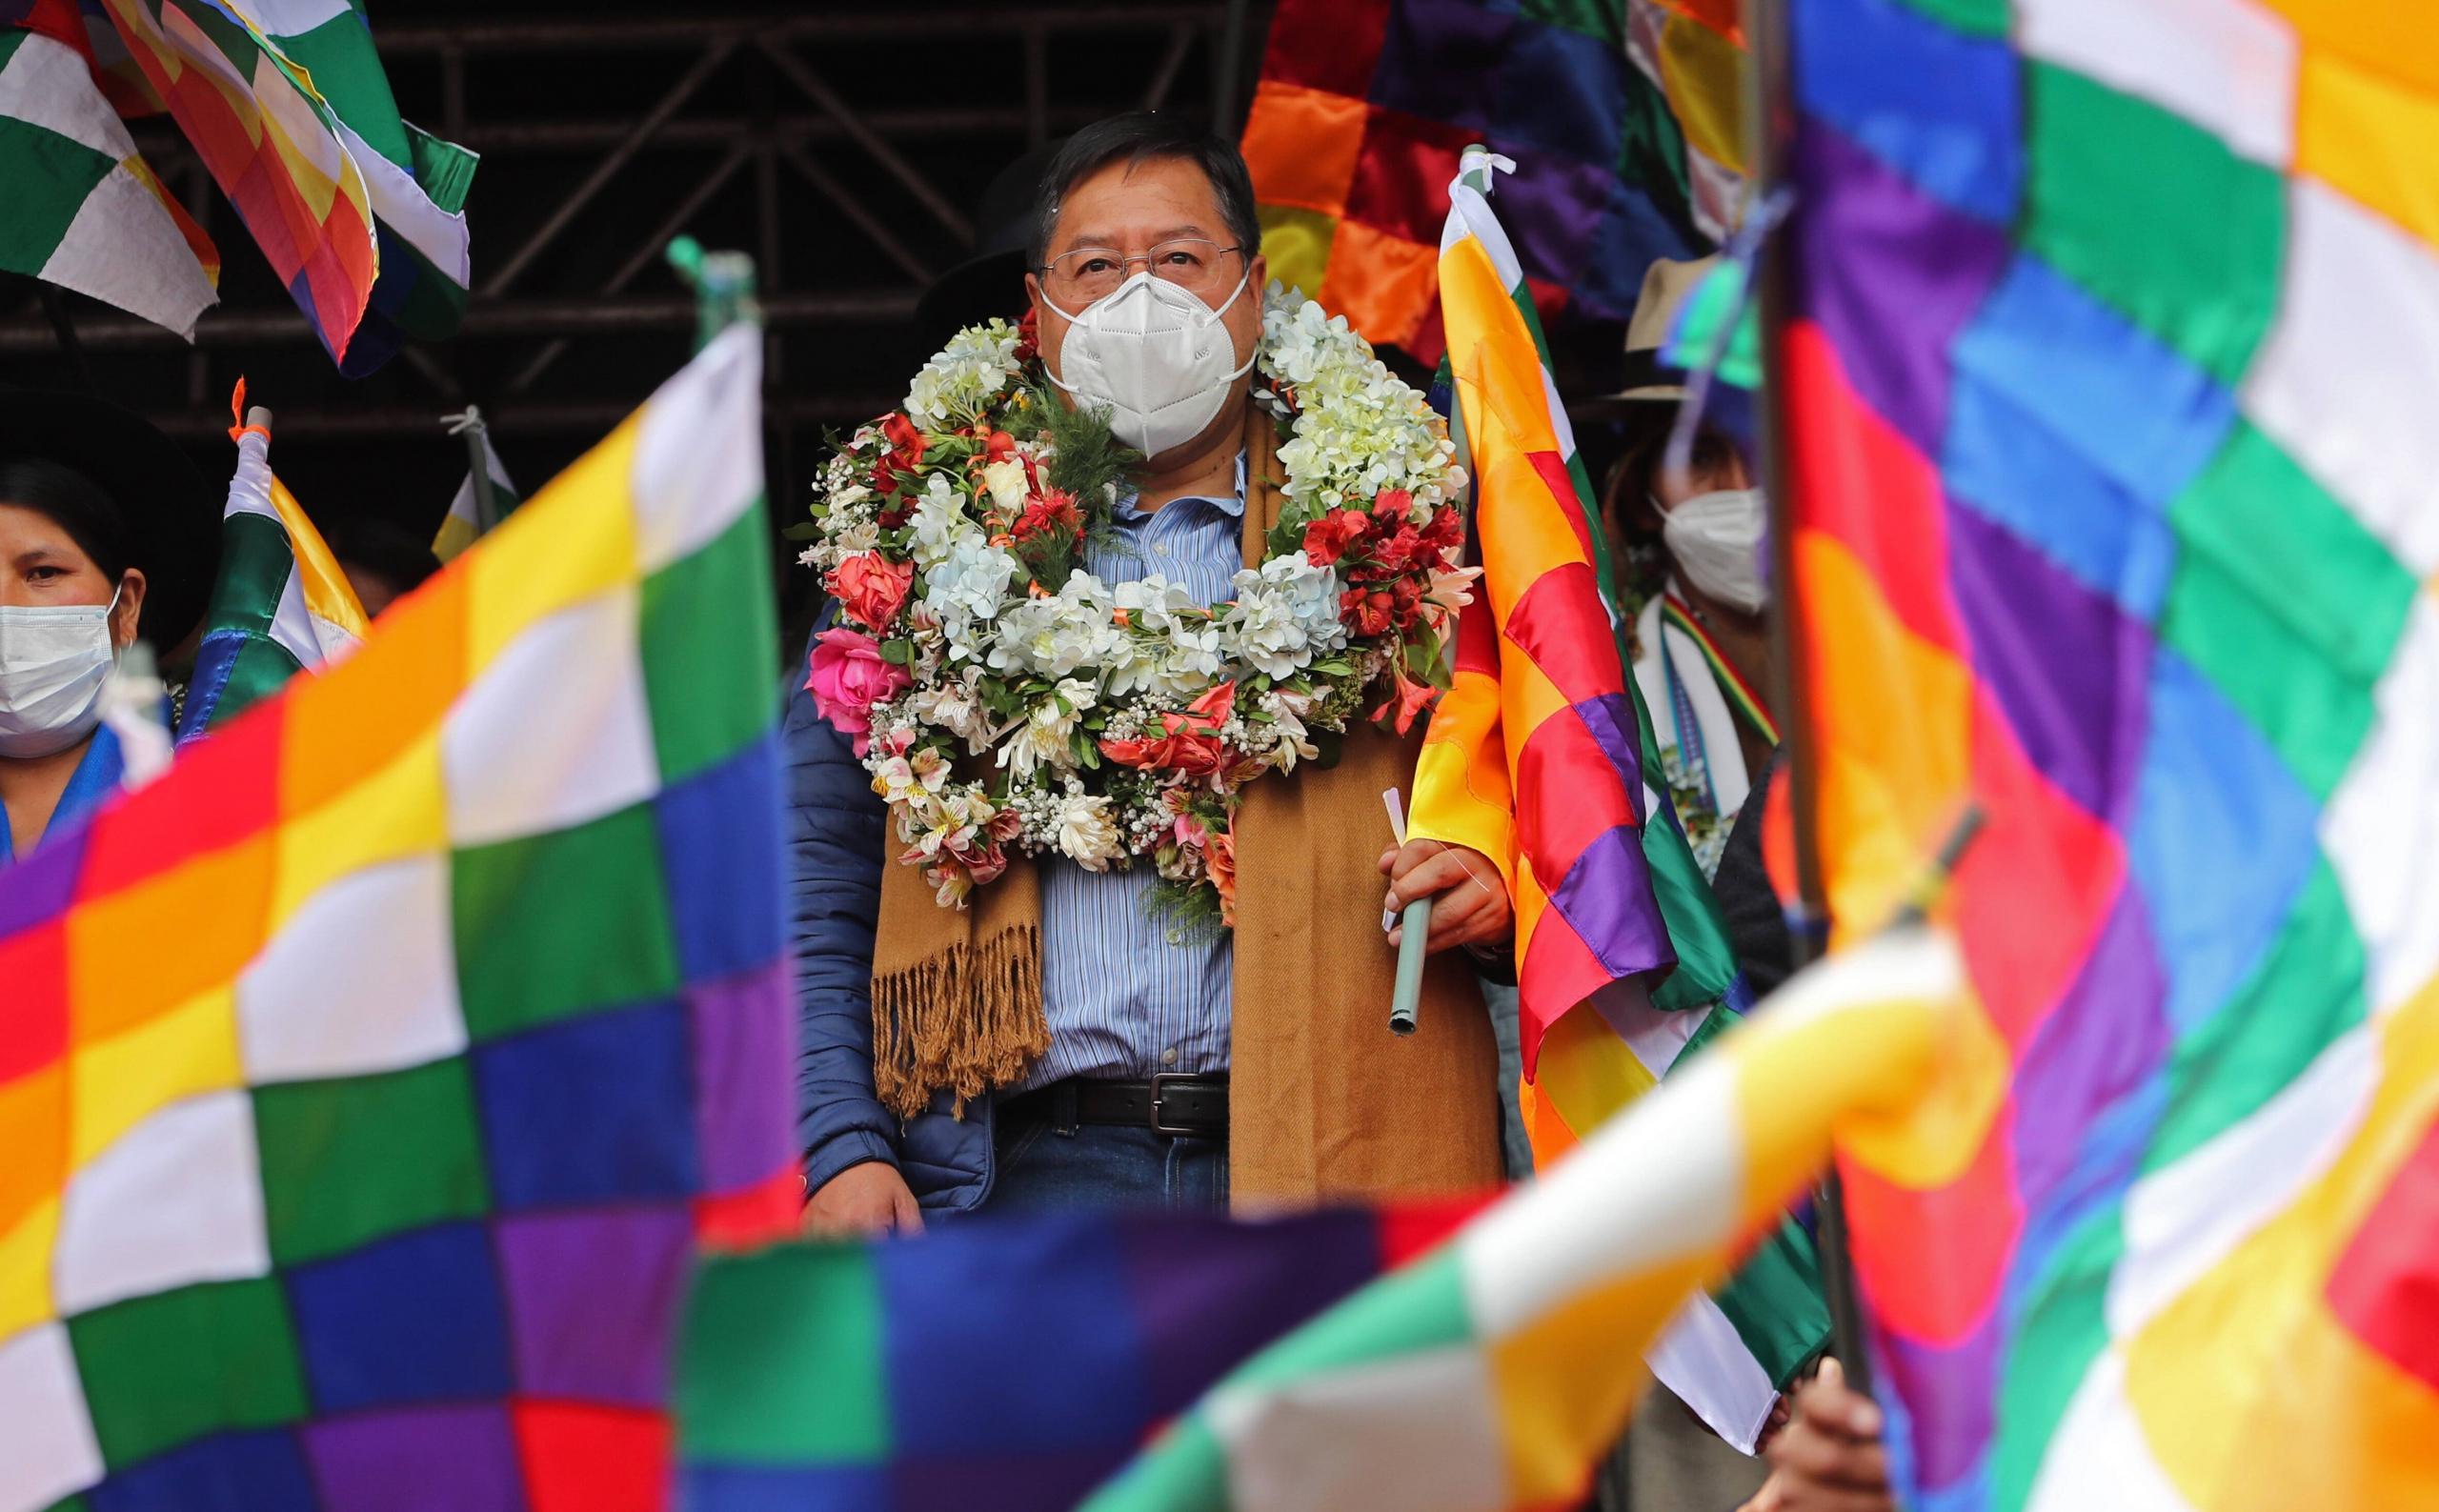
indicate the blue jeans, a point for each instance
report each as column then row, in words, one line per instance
column 1042, row 1168
column 1516, row 1146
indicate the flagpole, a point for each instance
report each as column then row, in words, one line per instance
column 1769, row 128
column 479, row 467
column 723, row 285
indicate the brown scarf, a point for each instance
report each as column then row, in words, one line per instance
column 1325, row 1103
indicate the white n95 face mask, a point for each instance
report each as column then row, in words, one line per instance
column 1716, row 540
column 54, row 662
column 1154, row 356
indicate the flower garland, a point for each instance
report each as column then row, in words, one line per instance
column 1003, row 697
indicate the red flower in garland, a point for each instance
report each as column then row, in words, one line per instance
column 1029, row 336
column 1407, row 699
column 906, row 444
column 1389, row 555
column 1392, row 503
column 1330, row 537
column 1189, row 741
column 1381, row 608
column 1052, row 512
column 1365, row 610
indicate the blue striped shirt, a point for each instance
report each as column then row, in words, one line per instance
column 1129, row 997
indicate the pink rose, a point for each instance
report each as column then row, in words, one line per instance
column 848, row 677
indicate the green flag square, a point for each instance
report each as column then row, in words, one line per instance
column 2062, row 1327
column 1982, row 18
column 165, row 1370
column 781, row 1361
column 1602, row 20
column 2265, row 522
column 708, row 629
column 2286, row 602
column 547, row 926
column 356, row 1158
column 2155, row 216
column 49, row 176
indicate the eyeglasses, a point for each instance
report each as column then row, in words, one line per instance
column 1079, row 277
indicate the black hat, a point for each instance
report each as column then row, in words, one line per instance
column 172, row 512
column 991, row 282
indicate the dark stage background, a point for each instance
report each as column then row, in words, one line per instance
column 843, row 145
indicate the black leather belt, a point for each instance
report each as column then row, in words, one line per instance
column 1171, row 1103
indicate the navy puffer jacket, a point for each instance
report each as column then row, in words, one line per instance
column 836, row 840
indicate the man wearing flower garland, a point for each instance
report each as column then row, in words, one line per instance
column 1063, row 684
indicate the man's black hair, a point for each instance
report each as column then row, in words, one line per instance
column 74, row 503
column 385, row 551
column 1142, row 137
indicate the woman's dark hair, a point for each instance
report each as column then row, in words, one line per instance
column 1141, row 136
column 74, row 503
column 1635, row 476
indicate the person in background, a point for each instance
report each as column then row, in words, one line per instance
column 1688, row 544
column 1828, row 1458
column 383, row 562
column 1702, row 635
column 107, row 533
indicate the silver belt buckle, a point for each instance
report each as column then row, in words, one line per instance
column 1160, row 1091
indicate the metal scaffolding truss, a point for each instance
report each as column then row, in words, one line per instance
column 843, row 146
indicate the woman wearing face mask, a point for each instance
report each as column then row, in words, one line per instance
column 89, row 496
column 1701, row 639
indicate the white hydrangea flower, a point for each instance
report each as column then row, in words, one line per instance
column 971, row 579
column 1191, row 662
column 1285, row 615
column 972, row 369
column 939, row 523
column 1360, row 428
column 1152, row 602
column 1053, row 636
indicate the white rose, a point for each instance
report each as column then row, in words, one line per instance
column 1087, row 834
column 1006, row 483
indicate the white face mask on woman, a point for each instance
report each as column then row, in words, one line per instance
column 54, row 662
column 1716, row 540
column 1156, row 356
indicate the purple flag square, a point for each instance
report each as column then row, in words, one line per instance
column 2070, row 670
column 1893, row 276
column 460, row 1458
column 1606, row 897
column 1552, row 207
column 1209, row 1293
column 743, row 1031
column 592, row 1298
column 1434, row 61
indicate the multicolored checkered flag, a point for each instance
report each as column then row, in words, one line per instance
column 83, row 212
column 368, row 1081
